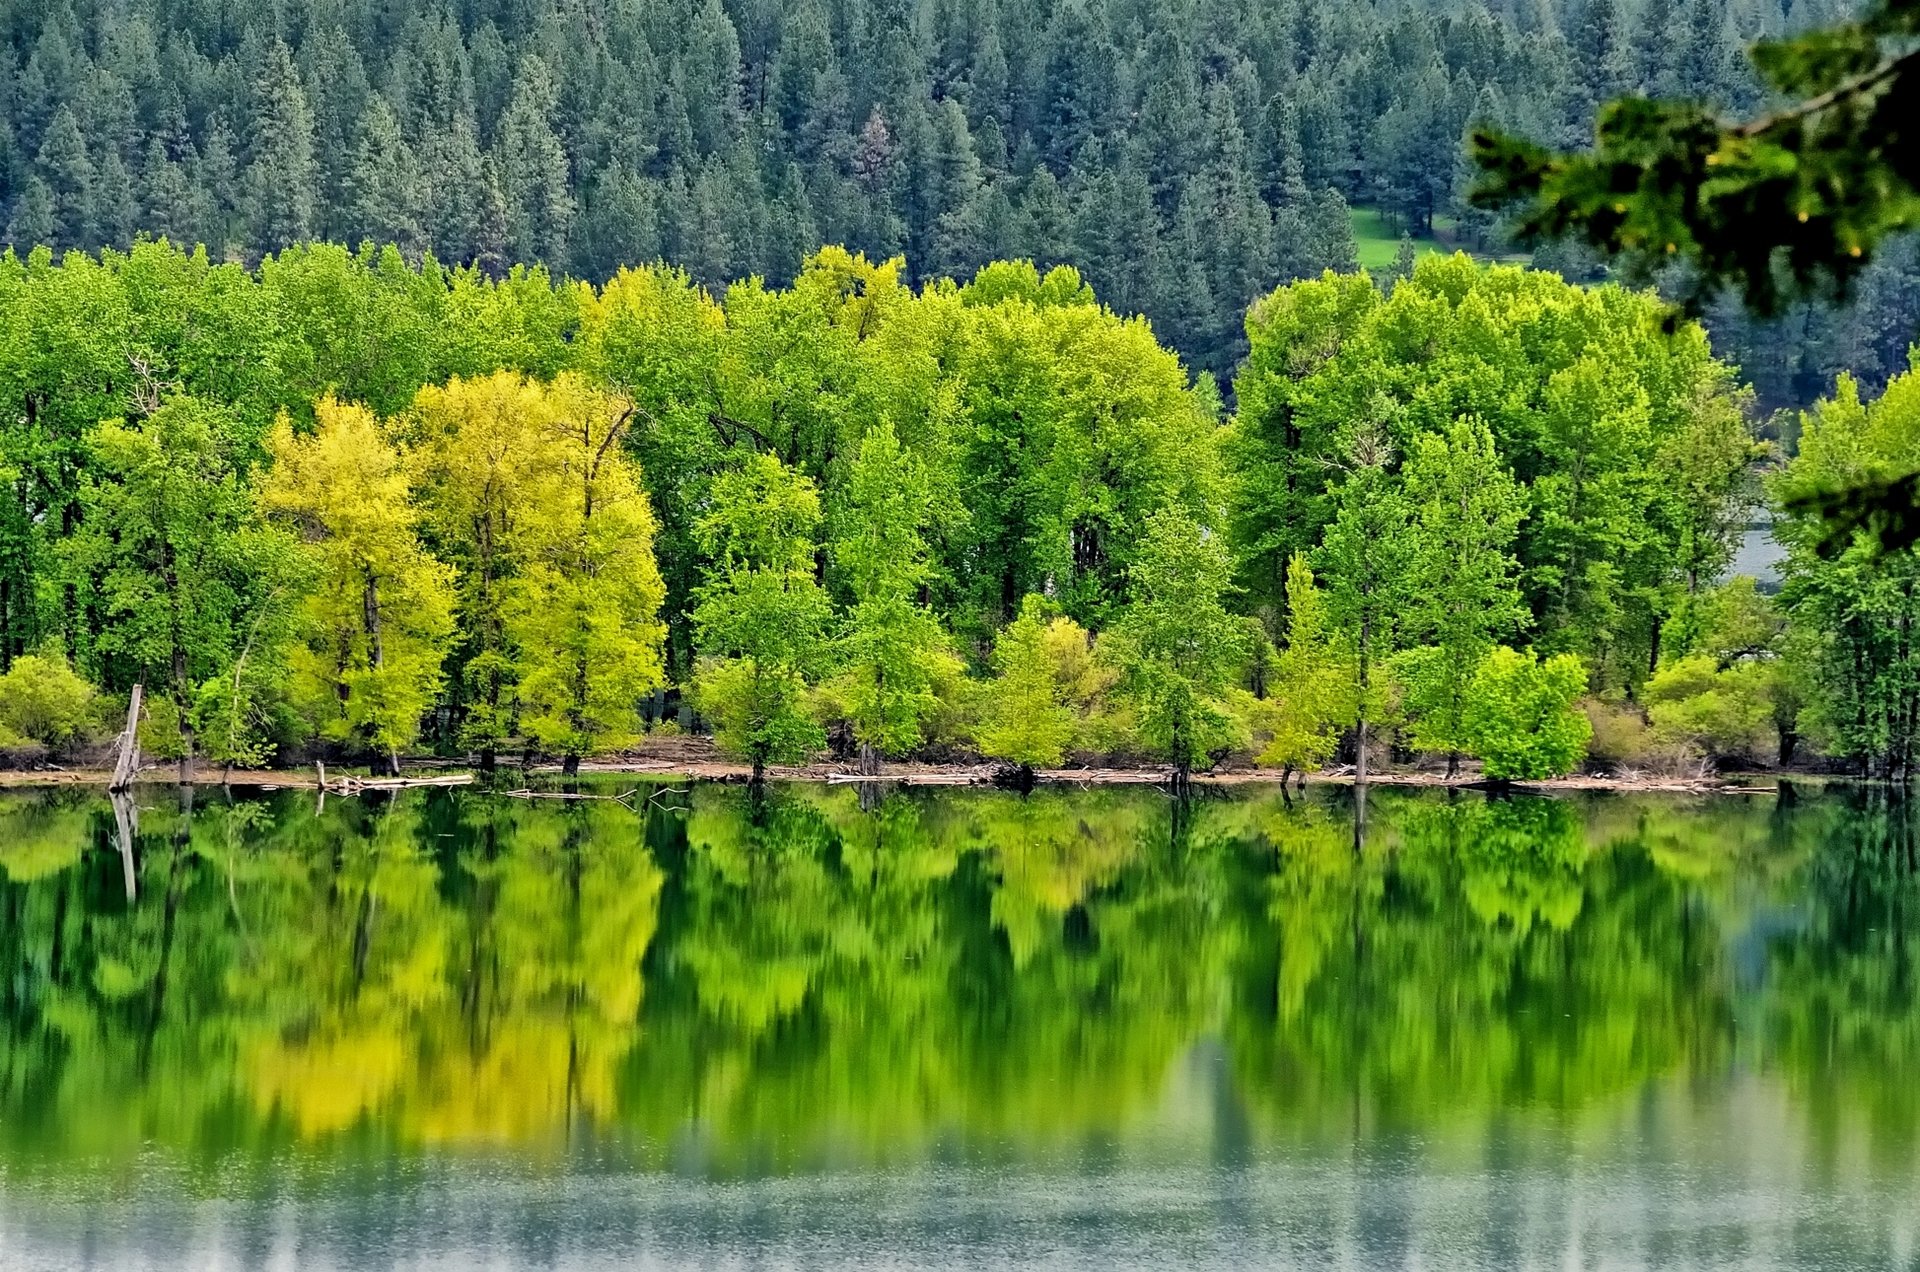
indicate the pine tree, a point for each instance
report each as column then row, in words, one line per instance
column 531, row 168
column 115, row 211
column 33, row 220
column 381, row 185
column 67, row 172
column 282, row 175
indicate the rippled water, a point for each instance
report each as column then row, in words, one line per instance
column 1083, row 1029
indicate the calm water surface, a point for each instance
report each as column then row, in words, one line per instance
column 1079, row 1030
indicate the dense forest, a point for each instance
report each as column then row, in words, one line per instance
column 345, row 502
column 1185, row 157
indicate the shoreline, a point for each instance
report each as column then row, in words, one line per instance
column 683, row 768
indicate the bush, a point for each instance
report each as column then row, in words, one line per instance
column 42, row 700
column 1520, row 715
column 1622, row 738
column 1722, row 712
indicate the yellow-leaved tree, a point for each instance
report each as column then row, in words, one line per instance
column 480, row 447
column 584, row 612
column 379, row 616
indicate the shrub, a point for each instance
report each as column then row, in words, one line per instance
column 42, row 700
column 1723, row 712
column 1521, row 716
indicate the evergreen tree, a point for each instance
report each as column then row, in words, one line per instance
column 282, row 175
column 382, row 186
column 67, row 172
column 531, row 169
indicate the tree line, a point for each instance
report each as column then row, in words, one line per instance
column 348, row 502
column 1184, row 157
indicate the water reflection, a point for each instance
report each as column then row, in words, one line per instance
column 1238, row 1028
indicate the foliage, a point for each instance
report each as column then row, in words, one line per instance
column 1311, row 695
column 1854, row 606
column 761, row 616
column 893, row 653
column 1522, row 716
column 377, row 620
column 1721, row 711
column 1462, row 590
column 43, row 700
column 1175, row 645
column 1627, row 446
column 1788, row 203
column 582, row 613
column 1027, row 722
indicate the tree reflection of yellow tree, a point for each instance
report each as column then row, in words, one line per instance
column 493, row 1021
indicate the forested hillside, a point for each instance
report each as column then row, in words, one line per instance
column 1186, row 156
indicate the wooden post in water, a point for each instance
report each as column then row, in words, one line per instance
column 128, row 762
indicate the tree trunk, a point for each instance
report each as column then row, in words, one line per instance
column 759, row 778
column 869, row 760
column 1360, row 751
column 488, row 760
column 129, row 759
column 1453, row 764
column 183, row 717
column 570, row 765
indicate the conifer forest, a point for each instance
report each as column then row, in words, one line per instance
column 1042, row 383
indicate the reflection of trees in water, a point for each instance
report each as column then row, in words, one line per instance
column 772, row 980
column 1842, row 1007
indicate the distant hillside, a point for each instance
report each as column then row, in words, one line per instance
column 1187, row 155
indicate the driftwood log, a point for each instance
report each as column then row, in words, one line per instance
column 127, row 762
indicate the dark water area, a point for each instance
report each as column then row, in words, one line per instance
column 962, row 1029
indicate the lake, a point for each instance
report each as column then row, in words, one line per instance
column 1083, row 1029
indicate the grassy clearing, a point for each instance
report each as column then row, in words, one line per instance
column 1379, row 243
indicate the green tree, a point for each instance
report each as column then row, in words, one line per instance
column 1026, row 721
column 1462, row 590
column 1311, row 696
column 282, row 175
column 894, row 655
column 1177, row 648
column 1522, row 715
column 1853, row 598
column 1365, row 559
column 170, row 555
column 42, row 698
column 760, row 618
column 532, row 169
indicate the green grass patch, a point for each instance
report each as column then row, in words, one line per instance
column 1378, row 244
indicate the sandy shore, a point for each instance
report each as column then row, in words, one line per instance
column 694, row 759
